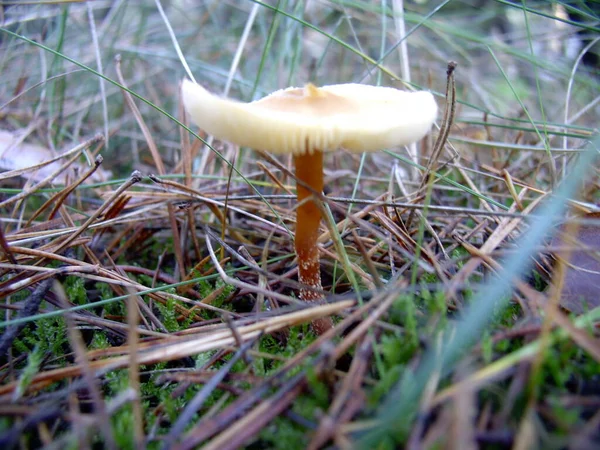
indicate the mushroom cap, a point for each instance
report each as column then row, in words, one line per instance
column 356, row 117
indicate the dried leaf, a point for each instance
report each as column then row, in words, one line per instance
column 16, row 155
column 578, row 246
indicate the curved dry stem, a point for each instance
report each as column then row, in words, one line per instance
column 309, row 170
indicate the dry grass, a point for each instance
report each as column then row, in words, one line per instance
column 149, row 283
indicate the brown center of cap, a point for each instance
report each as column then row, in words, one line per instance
column 309, row 100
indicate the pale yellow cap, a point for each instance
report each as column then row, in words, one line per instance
column 356, row 117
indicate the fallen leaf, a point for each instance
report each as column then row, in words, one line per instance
column 580, row 254
column 16, row 155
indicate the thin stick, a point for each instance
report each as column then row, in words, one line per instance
column 31, row 306
column 133, row 315
column 85, row 367
column 135, row 177
column 405, row 67
column 101, row 81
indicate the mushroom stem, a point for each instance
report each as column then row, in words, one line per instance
column 309, row 170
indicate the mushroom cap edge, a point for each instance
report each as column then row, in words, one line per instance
column 356, row 117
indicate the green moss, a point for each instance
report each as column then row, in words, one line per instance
column 168, row 315
column 282, row 434
column 115, row 308
column 34, row 360
column 5, row 424
column 49, row 335
column 318, row 390
column 487, row 347
column 76, row 290
column 99, row 341
column 388, row 379
column 123, row 426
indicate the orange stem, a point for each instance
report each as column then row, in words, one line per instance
column 309, row 169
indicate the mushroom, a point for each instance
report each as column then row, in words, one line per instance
column 307, row 122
